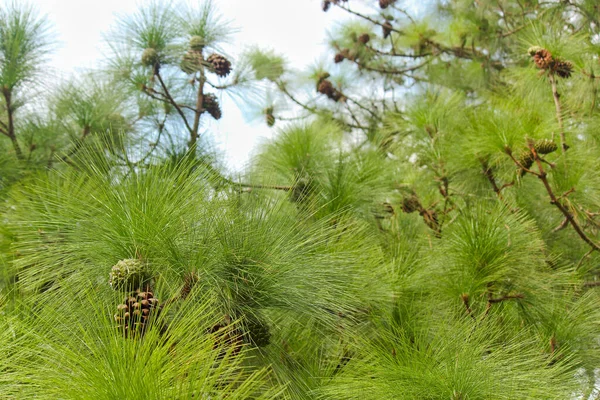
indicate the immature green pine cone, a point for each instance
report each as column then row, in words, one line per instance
column 127, row 274
column 545, row 146
column 197, row 43
column 150, row 57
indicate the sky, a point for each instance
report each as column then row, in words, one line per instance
column 295, row 28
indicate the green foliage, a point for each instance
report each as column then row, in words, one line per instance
column 423, row 224
column 24, row 44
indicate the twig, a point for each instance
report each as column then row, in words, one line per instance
column 371, row 20
column 465, row 299
column 489, row 174
column 591, row 284
column 173, row 103
column 506, row 297
column 11, row 125
column 562, row 226
column 556, row 202
column 557, row 105
column 586, row 255
column 392, row 71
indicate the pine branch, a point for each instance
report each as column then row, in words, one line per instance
column 199, row 108
column 10, row 128
column 78, row 145
column 392, row 71
column 465, row 299
column 506, row 297
column 554, row 200
column 173, row 102
column 394, row 54
column 365, row 17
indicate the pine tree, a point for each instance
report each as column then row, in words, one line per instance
column 423, row 225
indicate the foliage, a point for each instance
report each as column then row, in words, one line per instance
column 423, row 225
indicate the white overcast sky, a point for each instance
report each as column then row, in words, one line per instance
column 296, row 28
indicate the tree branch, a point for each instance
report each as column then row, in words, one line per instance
column 7, row 92
column 172, row 101
column 557, row 203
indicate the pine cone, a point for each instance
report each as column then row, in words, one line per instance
column 128, row 274
column 301, row 190
column 134, row 314
column 325, row 5
column 191, row 62
column 339, row 57
column 226, row 337
column 364, row 38
column 256, row 332
column 533, row 49
column 220, row 65
column 150, row 57
column 269, row 117
column 189, row 281
column 545, row 146
column 526, row 160
column 542, row 59
column 386, row 3
column 564, row 69
column 387, row 29
column 211, row 105
column 411, row 204
column 197, row 43
column 326, row 87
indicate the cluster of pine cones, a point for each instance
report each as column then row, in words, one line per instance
column 193, row 61
column 134, row 314
column 325, row 86
column 140, row 307
column 347, row 54
column 545, row 61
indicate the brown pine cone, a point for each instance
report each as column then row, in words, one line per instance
column 211, row 105
column 364, row 38
column 326, row 87
column 411, row 204
column 220, row 65
column 386, row 3
column 542, row 59
column 564, row 69
column 134, row 314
